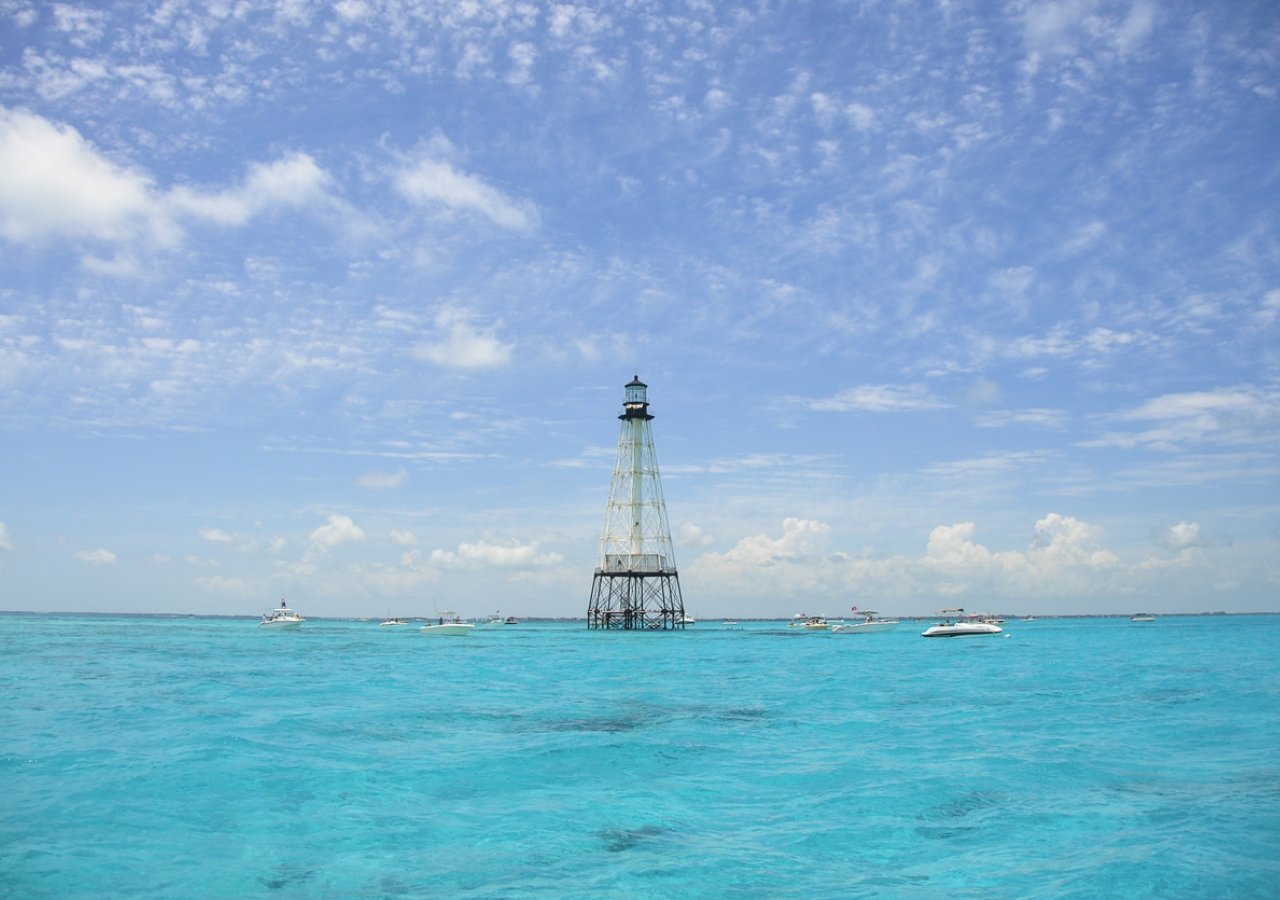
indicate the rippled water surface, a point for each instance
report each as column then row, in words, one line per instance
column 1071, row 758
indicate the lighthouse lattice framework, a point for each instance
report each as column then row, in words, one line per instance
column 636, row 585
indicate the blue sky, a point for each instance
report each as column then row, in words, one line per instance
column 938, row 304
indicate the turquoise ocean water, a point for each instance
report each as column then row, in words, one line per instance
column 168, row 757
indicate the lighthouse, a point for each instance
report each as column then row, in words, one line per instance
column 635, row 585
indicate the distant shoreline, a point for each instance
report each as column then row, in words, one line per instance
column 711, row 621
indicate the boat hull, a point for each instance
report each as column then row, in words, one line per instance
column 281, row 624
column 865, row 627
column 448, row 629
column 974, row 629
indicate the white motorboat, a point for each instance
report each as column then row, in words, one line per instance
column 956, row 624
column 1142, row 617
column 393, row 622
column 281, row 617
column 870, row 624
column 448, row 624
column 688, row 620
column 817, row 623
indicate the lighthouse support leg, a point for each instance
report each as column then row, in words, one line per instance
column 635, row 601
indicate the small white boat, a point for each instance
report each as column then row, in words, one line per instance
column 393, row 622
column 688, row 620
column 816, row 623
column 870, row 624
column 956, row 624
column 448, row 624
column 1142, row 617
column 281, row 617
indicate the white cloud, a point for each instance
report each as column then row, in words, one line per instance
column 216, row 535
column 463, row 346
column 523, row 55
column 434, row 182
column 692, row 536
column 1048, row 418
column 1239, row 415
column 800, row 538
column 1181, row 536
column 97, row 557
column 54, row 184
column 1269, row 309
column 1063, row 559
column 878, row 398
column 295, row 180
column 338, row 530
column 403, row 537
column 5, row 542
column 381, row 481
column 497, row 553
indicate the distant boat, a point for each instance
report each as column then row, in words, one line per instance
column 1142, row 617
column 870, row 624
column 956, row 624
column 281, row 617
column 393, row 622
column 448, row 624
column 688, row 620
column 816, row 623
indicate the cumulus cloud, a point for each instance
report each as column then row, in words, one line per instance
column 55, row 184
column 216, row 535
column 403, row 537
column 800, row 538
column 462, row 345
column 5, row 542
column 497, row 553
column 382, row 481
column 295, row 180
column 1064, row 557
column 436, row 183
column 692, row 536
column 338, row 530
column 1179, row 537
column 97, row 557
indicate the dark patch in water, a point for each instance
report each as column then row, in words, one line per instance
column 948, row 815
column 744, row 714
column 962, row 806
column 618, row 839
column 286, row 878
column 611, row 726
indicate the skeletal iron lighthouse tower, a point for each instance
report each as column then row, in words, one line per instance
column 636, row 585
